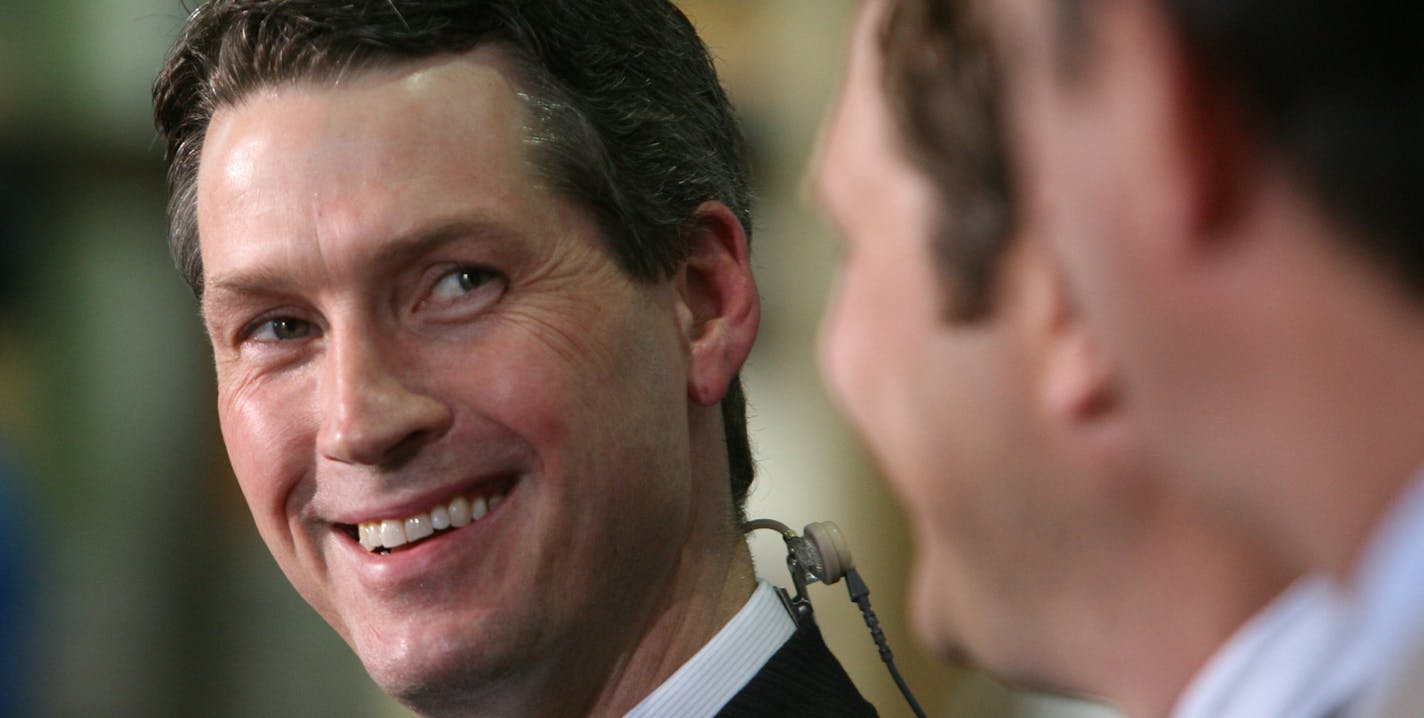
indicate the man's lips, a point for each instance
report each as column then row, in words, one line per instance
column 399, row 532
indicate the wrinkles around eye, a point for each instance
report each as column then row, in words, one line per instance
column 466, row 288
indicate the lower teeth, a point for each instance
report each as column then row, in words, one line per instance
column 439, row 532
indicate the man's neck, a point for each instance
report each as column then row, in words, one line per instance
column 678, row 630
column 1352, row 442
column 1184, row 591
column 1330, row 399
column 608, row 669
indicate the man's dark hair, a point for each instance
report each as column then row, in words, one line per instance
column 1334, row 89
column 941, row 80
column 628, row 116
column 1337, row 90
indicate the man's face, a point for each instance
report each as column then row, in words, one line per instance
column 405, row 320
column 1103, row 143
column 944, row 407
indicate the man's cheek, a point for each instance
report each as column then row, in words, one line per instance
column 264, row 450
column 839, row 347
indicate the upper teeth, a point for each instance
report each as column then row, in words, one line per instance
column 390, row 533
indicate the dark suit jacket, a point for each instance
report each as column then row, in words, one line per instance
column 801, row 679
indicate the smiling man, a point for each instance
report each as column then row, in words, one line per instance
column 476, row 280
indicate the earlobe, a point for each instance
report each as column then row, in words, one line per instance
column 719, row 310
column 1077, row 382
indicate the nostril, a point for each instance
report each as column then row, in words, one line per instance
column 379, row 422
column 406, row 449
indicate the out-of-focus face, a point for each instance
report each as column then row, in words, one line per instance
column 1103, row 140
column 944, row 407
column 461, row 429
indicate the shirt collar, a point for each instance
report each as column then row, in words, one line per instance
column 1388, row 590
column 1319, row 644
column 726, row 664
column 1386, row 603
column 1267, row 663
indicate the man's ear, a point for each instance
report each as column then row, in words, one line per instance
column 1079, row 381
column 719, row 310
column 1075, row 380
column 1186, row 124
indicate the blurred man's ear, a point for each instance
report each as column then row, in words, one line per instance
column 719, row 309
column 1075, row 383
column 1182, row 136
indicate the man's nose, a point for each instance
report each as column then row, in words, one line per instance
column 371, row 414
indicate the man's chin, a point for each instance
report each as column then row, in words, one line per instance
column 930, row 619
column 436, row 684
column 423, row 666
column 939, row 639
column 427, row 692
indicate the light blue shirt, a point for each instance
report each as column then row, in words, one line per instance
column 1386, row 617
column 1268, row 663
column 715, row 674
column 1320, row 647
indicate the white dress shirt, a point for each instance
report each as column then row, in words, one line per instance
column 1268, row 663
column 726, row 664
column 1321, row 647
column 1386, row 621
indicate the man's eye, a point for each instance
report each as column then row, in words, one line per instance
column 281, row 329
column 461, row 281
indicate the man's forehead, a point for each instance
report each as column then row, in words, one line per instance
column 855, row 139
column 412, row 103
column 398, row 152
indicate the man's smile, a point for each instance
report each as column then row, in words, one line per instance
column 383, row 535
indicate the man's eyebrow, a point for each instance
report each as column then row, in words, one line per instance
column 223, row 294
column 436, row 235
column 265, row 279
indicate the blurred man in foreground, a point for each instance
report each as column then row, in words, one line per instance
column 1047, row 554
column 1233, row 191
column 476, row 280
